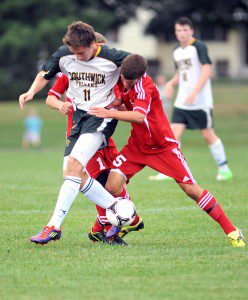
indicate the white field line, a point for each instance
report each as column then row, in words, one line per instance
column 84, row 211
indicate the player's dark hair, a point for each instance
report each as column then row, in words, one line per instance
column 184, row 21
column 133, row 66
column 79, row 34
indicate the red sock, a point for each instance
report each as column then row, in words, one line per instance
column 97, row 226
column 208, row 203
column 101, row 219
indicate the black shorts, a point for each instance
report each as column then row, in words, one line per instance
column 193, row 119
column 86, row 123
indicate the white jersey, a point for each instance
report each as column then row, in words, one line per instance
column 91, row 83
column 188, row 62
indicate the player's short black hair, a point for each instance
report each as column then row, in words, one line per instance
column 133, row 66
column 184, row 21
column 79, row 34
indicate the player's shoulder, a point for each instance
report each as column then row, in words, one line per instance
column 112, row 54
column 202, row 51
column 62, row 51
column 145, row 84
column 199, row 45
column 176, row 47
column 61, row 77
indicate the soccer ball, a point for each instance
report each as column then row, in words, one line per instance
column 121, row 213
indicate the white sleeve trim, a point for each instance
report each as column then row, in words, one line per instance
column 138, row 107
column 57, row 94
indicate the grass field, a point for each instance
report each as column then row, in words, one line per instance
column 181, row 253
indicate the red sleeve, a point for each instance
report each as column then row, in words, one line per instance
column 142, row 95
column 60, row 86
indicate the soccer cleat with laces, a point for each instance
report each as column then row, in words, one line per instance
column 224, row 175
column 126, row 229
column 159, row 177
column 236, row 238
column 46, row 235
column 98, row 236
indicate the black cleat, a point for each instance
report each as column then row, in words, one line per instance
column 117, row 240
column 98, row 236
column 126, row 229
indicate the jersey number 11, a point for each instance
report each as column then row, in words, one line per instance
column 86, row 95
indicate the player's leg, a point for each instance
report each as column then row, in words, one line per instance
column 126, row 164
column 85, row 147
column 97, row 232
column 208, row 203
column 217, row 150
column 178, row 130
column 173, row 164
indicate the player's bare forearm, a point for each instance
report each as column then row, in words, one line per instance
column 126, row 116
column 174, row 80
column 170, row 85
column 39, row 83
column 63, row 107
column 53, row 102
column 205, row 75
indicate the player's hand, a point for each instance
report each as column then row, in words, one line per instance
column 190, row 99
column 168, row 91
column 100, row 112
column 25, row 98
column 115, row 104
column 65, row 108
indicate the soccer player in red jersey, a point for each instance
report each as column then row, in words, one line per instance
column 99, row 165
column 153, row 144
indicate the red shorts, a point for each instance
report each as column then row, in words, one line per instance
column 171, row 162
column 101, row 161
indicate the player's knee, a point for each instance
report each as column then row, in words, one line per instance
column 205, row 134
column 209, row 135
column 74, row 167
column 193, row 191
column 112, row 188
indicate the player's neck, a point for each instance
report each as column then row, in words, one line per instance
column 187, row 42
column 95, row 50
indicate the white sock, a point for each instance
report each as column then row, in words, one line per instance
column 218, row 152
column 94, row 191
column 68, row 192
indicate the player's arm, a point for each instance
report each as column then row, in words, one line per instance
column 63, row 107
column 205, row 62
column 170, row 86
column 54, row 96
column 49, row 70
column 126, row 116
column 204, row 76
column 39, row 83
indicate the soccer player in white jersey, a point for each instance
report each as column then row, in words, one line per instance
column 93, row 71
column 194, row 101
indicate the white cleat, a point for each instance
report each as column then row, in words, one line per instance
column 224, row 175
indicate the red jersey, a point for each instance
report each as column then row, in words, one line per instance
column 58, row 89
column 154, row 134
